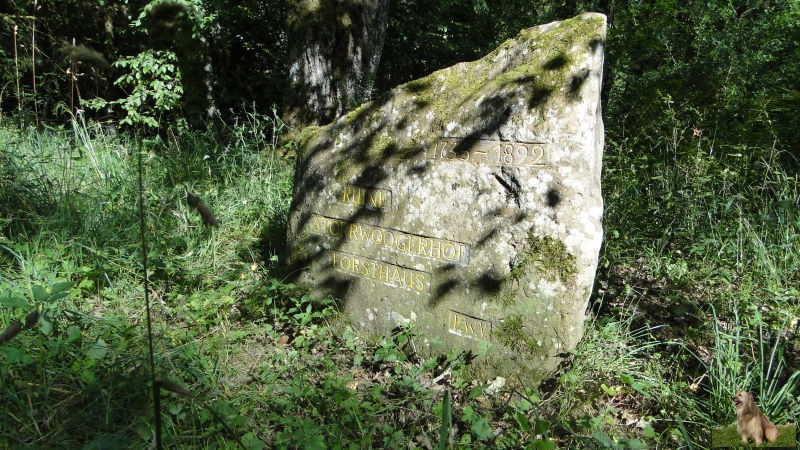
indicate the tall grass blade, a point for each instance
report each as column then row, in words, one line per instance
column 447, row 417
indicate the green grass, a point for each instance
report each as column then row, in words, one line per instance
column 696, row 298
column 728, row 437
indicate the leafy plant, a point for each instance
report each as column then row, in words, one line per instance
column 153, row 86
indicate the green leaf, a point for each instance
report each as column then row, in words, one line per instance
column 98, row 350
column 39, row 292
column 610, row 391
column 633, row 444
column 481, row 428
column 73, row 333
column 55, row 297
column 63, row 286
column 569, row 378
column 541, row 427
column 252, row 442
column 524, row 423
column 469, row 412
column 15, row 302
column 603, row 439
column 45, row 326
column 175, row 408
column 15, row 355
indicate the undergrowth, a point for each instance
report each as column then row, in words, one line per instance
column 697, row 297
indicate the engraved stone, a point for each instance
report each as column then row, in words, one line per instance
column 467, row 202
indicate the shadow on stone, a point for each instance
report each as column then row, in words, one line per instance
column 482, row 241
column 337, row 287
column 442, row 290
column 556, row 63
column 539, row 96
column 552, row 198
column 595, row 44
column 489, row 283
column 575, row 83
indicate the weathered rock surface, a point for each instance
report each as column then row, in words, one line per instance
column 467, row 202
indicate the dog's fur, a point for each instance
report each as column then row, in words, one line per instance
column 752, row 423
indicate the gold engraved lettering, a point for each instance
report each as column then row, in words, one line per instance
column 370, row 198
column 491, row 152
column 456, row 321
column 401, row 243
column 364, row 269
column 352, row 194
column 391, row 239
column 396, row 276
column 384, row 272
column 422, row 244
column 334, row 228
column 467, row 326
column 452, row 248
column 419, row 281
column 377, row 199
column 537, row 151
column 436, row 249
column 326, row 225
column 355, row 230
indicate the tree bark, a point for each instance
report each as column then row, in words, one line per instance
column 334, row 50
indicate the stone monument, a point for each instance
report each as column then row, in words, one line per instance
column 467, row 202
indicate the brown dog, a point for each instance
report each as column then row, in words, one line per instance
column 752, row 423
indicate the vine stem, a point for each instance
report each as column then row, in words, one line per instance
column 146, row 283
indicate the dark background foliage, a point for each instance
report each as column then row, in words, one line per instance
column 725, row 66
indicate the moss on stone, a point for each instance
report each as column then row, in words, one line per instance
column 507, row 297
column 548, row 255
column 511, row 333
column 302, row 140
column 383, row 148
column 544, row 80
column 418, row 85
column 545, row 255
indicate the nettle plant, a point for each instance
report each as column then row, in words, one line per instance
column 153, row 84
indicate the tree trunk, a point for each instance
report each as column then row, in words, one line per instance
column 334, row 50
